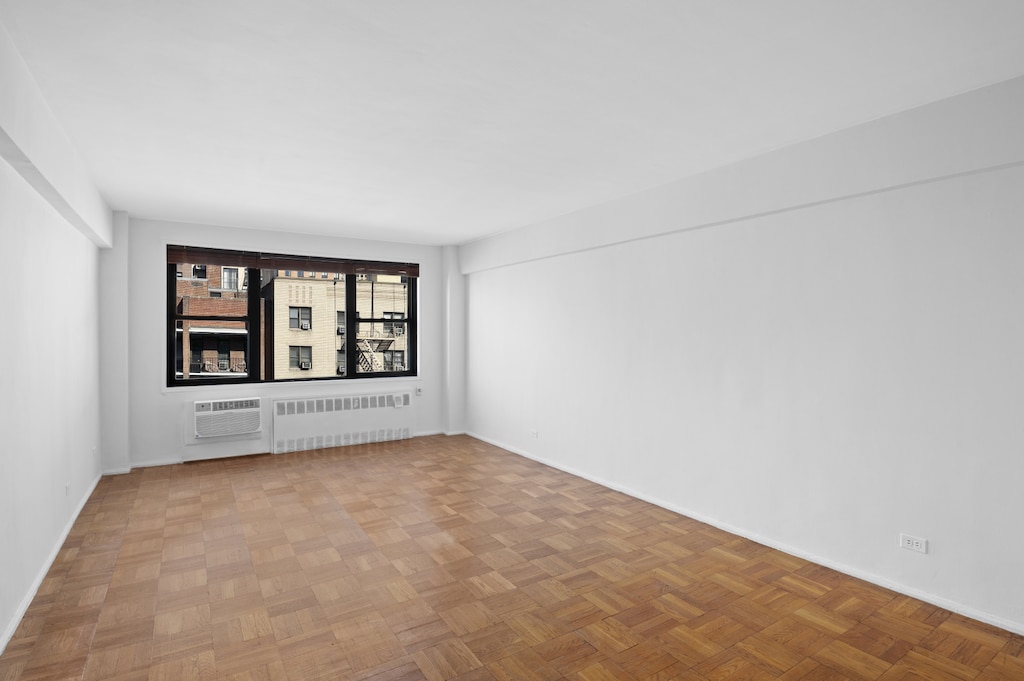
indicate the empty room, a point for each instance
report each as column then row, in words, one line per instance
column 512, row 341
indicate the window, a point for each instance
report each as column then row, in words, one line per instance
column 300, row 357
column 391, row 328
column 300, row 318
column 394, row 360
column 221, row 332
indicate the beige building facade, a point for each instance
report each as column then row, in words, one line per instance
column 309, row 335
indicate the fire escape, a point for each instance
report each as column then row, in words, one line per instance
column 370, row 352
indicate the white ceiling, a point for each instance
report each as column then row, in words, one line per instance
column 443, row 121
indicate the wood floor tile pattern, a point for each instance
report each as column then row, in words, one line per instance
column 447, row 558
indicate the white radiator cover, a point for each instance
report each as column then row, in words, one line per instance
column 318, row 422
column 216, row 418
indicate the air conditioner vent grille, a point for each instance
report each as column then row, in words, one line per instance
column 216, row 418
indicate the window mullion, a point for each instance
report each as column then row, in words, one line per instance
column 254, row 358
column 351, row 327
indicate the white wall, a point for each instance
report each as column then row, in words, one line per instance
column 454, row 407
column 158, row 415
column 50, row 399
column 38, row 149
column 819, row 375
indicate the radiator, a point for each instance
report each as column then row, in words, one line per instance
column 214, row 418
column 318, row 422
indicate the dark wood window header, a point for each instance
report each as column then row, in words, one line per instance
column 277, row 261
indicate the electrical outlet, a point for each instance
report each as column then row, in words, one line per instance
column 913, row 543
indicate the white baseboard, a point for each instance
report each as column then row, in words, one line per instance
column 12, row 626
column 884, row 582
column 154, row 464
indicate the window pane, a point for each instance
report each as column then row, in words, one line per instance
column 304, row 312
column 215, row 349
column 377, row 349
column 380, row 295
column 214, row 336
column 194, row 292
column 381, row 300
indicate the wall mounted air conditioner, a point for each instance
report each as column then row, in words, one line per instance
column 214, row 418
column 305, row 365
column 305, row 326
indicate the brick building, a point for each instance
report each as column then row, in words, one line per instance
column 215, row 348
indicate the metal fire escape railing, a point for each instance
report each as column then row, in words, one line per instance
column 370, row 351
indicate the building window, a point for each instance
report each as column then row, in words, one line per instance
column 394, row 360
column 394, row 328
column 300, row 318
column 243, row 335
column 300, row 357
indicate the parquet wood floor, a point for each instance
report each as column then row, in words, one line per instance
column 447, row 558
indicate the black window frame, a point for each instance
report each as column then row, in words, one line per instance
column 253, row 264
